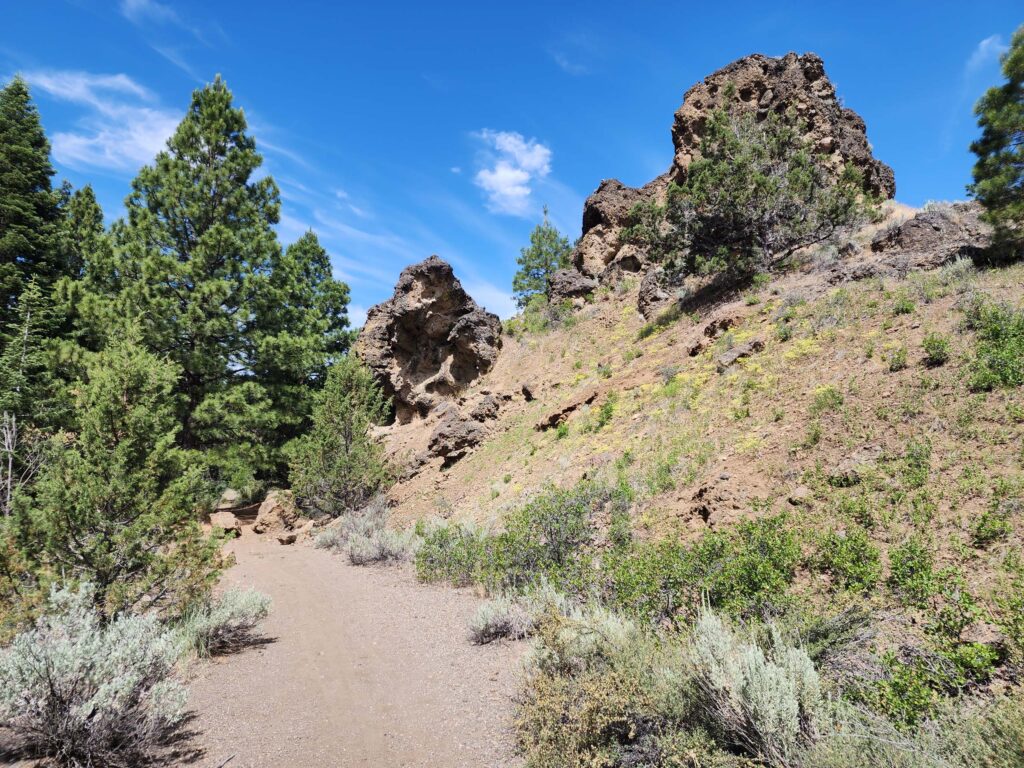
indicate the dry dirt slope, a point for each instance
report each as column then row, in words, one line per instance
column 365, row 668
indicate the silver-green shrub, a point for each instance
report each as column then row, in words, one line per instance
column 224, row 624
column 84, row 693
column 769, row 704
column 500, row 617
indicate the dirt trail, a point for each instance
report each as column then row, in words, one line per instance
column 368, row 668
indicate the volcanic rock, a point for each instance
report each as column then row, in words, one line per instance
column 791, row 84
column 454, row 436
column 936, row 236
column 429, row 340
column 277, row 513
column 569, row 284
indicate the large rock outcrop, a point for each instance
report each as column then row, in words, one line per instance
column 429, row 340
column 937, row 235
column 761, row 85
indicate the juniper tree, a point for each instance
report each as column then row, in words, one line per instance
column 28, row 204
column 999, row 172
column 548, row 252
column 338, row 465
column 117, row 507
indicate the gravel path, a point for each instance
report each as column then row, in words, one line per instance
column 367, row 668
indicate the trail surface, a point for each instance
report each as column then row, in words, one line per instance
column 366, row 668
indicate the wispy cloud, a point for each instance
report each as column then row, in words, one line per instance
column 122, row 127
column 574, row 52
column 987, row 51
column 142, row 11
column 512, row 164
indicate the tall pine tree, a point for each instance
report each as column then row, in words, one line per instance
column 200, row 268
column 28, row 204
column 549, row 252
column 999, row 172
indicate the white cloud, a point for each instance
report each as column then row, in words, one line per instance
column 121, row 129
column 567, row 65
column 985, row 52
column 512, row 165
column 140, row 11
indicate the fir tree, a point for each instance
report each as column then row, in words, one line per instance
column 999, row 172
column 548, row 252
column 28, row 204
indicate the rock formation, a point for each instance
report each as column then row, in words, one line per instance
column 429, row 340
column 939, row 234
column 761, row 85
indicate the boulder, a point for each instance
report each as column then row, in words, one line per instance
column 609, row 205
column 936, row 236
column 485, row 409
column 287, row 538
column 595, row 250
column 555, row 418
column 429, row 340
column 654, row 297
column 848, row 471
column 229, row 499
column 569, row 284
column 760, row 85
column 277, row 513
column 738, row 352
column 454, row 436
column 226, row 520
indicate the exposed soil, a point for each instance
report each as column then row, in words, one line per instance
column 362, row 666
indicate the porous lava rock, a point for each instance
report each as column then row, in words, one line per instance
column 788, row 85
column 429, row 340
column 937, row 235
column 570, row 284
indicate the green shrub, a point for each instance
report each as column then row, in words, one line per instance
column 917, row 463
column 651, row 581
column 87, row 692
column 549, row 538
column 451, row 553
column 562, row 431
column 903, row 306
column 936, row 349
column 826, row 398
column 999, row 346
column 897, row 359
column 994, row 523
column 912, row 572
column 851, row 558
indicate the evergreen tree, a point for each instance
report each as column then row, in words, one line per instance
column 28, row 388
column 87, row 297
column 548, row 252
column 193, row 257
column 117, row 507
column 999, row 172
column 338, row 465
column 28, row 204
column 302, row 327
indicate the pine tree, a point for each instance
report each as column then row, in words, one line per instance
column 87, row 296
column 28, row 204
column 548, row 252
column 117, row 507
column 29, row 389
column 193, row 256
column 302, row 327
column 999, row 172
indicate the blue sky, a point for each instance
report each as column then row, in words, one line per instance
column 400, row 129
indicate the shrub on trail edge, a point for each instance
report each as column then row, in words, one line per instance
column 85, row 693
column 224, row 624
